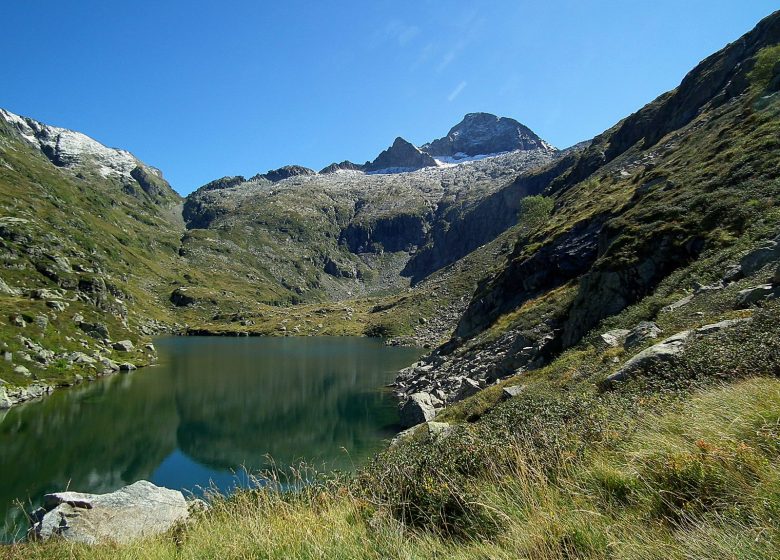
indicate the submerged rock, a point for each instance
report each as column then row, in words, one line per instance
column 139, row 510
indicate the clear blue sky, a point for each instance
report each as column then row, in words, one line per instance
column 207, row 89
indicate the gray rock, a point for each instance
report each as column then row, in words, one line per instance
column 758, row 258
column 123, row 346
column 664, row 352
column 56, row 305
column 641, row 333
column 80, row 358
column 41, row 321
column 614, row 338
column 437, row 430
column 21, row 370
column 7, row 290
column 417, row 409
column 95, row 330
column 751, row 296
column 511, row 391
column 715, row 327
column 44, row 293
column 776, row 276
column 110, row 364
column 677, row 304
column 8, row 356
column 467, row 388
column 127, row 366
column 133, row 512
column 18, row 321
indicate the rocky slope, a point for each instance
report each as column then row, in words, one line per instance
column 683, row 187
column 87, row 234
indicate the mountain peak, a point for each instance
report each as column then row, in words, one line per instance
column 485, row 133
column 401, row 156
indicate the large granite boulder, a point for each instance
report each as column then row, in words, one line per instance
column 665, row 351
column 417, row 409
column 139, row 510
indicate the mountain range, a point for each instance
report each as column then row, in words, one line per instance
column 424, row 245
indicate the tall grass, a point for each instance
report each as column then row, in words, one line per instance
column 691, row 479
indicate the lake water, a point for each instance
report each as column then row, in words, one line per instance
column 211, row 407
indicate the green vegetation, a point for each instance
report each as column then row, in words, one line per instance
column 676, row 465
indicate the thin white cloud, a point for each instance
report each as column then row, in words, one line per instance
column 446, row 60
column 407, row 34
column 456, row 92
column 398, row 32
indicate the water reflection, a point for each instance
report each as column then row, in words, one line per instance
column 211, row 407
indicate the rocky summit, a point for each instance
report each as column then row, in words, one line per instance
column 401, row 156
column 483, row 134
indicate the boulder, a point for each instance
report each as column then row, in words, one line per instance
column 21, row 370
column 7, row 290
column 678, row 304
column 123, row 346
column 438, row 430
column 467, row 388
column 95, row 330
column 56, row 305
column 80, row 358
column 614, row 338
column 758, row 258
column 751, row 296
column 417, row 409
column 180, row 297
column 644, row 331
column 511, row 391
column 664, row 352
column 127, row 366
column 776, row 276
column 715, row 327
column 136, row 511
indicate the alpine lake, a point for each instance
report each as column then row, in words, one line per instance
column 212, row 413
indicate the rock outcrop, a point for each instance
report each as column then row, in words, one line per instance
column 417, row 409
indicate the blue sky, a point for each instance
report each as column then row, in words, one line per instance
column 207, row 89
